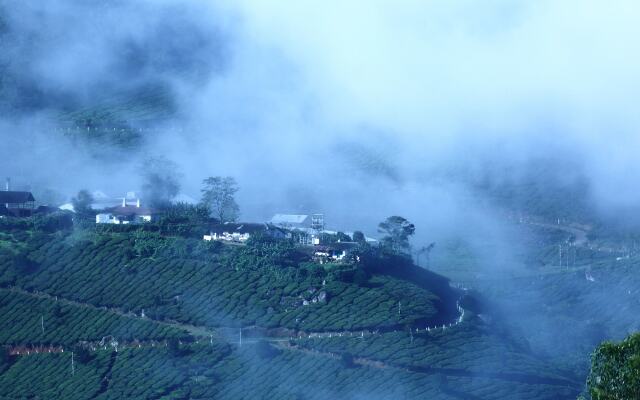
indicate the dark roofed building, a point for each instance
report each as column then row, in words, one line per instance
column 12, row 199
column 17, row 204
column 126, row 214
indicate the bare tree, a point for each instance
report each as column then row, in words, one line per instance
column 82, row 202
column 218, row 194
column 161, row 181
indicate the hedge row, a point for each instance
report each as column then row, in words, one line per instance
column 26, row 319
column 238, row 287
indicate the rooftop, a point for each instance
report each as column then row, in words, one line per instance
column 15, row 197
column 241, row 228
column 289, row 218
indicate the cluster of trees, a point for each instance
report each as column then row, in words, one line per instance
column 397, row 231
column 161, row 185
column 615, row 370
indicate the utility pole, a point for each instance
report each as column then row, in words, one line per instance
column 73, row 367
column 42, row 323
column 240, row 337
column 560, row 254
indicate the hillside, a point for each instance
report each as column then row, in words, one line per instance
column 149, row 316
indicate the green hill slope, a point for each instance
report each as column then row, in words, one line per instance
column 175, row 306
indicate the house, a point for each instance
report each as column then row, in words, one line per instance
column 291, row 221
column 305, row 227
column 241, row 232
column 299, row 221
column 102, row 201
column 17, row 204
column 126, row 214
column 334, row 252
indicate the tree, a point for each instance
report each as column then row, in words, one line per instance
column 425, row 250
column 82, row 354
column 359, row 237
column 342, row 237
column 82, row 202
column 615, row 370
column 161, row 181
column 218, row 194
column 397, row 231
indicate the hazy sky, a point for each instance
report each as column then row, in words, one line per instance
column 329, row 106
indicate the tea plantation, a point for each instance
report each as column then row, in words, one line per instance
column 170, row 303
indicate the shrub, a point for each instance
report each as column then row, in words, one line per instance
column 615, row 370
column 265, row 350
column 82, row 354
column 23, row 264
column 175, row 348
column 346, row 359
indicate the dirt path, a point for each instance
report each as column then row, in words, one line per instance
column 232, row 335
column 192, row 329
column 580, row 234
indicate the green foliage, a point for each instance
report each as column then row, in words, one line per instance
column 343, row 237
column 615, row 370
column 185, row 220
column 346, row 359
column 359, row 237
column 28, row 319
column 469, row 347
column 175, row 348
column 121, row 121
column 351, row 274
column 397, row 231
column 50, row 223
column 265, row 350
column 5, row 358
column 23, row 264
column 266, row 252
column 82, row 354
column 249, row 285
column 258, row 284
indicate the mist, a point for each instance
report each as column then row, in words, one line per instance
column 428, row 110
column 358, row 111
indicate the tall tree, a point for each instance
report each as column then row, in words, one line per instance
column 82, row 202
column 161, row 181
column 397, row 231
column 615, row 370
column 359, row 237
column 218, row 194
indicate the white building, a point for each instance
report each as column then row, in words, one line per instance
column 291, row 221
column 126, row 214
column 241, row 232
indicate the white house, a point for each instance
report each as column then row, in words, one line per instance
column 291, row 221
column 126, row 214
column 241, row 232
